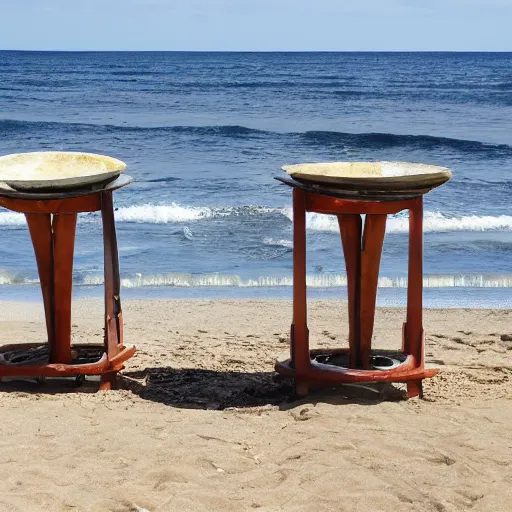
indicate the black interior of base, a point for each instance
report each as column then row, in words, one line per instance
column 41, row 355
column 378, row 361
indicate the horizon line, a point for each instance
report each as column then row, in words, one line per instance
column 250, row 51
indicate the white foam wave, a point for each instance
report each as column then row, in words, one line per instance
column 432, row 222
column 162, row 214
column 320, row 280
column 437, row 222
column 175, row 213
column 282, row 242
column 12, row 219
column 7, row 277
column 179, row 280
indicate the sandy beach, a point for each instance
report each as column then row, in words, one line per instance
column 203, row 424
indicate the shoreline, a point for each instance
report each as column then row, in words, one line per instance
column 433, row 298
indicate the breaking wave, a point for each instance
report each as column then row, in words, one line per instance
column 281, row 242
column 155, row 214
column 12, row 219
column 433, row 222
column 175, row 213
column 320, row 280
column 167, row 214
column 317, row 280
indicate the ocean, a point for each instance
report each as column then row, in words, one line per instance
column 204, row 134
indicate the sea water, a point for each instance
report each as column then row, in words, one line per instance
column 204, row 134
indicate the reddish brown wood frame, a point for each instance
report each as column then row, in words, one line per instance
column 362, row 247
column 52, row 224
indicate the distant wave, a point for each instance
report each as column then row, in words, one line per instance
column 388, row 140
column 222, row 130
column 133, row 72
column 176, row 213
column 17, row 126
column 166, row 179
column 317, row 138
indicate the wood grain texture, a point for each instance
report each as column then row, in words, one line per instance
column 350, row 230
column 299, row 338
column 373, row 239
column 362, row 250
column 40, row 229
column 64, row 228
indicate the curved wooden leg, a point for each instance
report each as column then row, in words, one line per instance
column 54, row 243
column 350, row 230
column 64, row 228
column 108, row 381
column 40, row 229
column 299, row 336
column 373, row 239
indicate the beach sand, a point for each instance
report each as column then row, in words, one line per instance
column 203, row 424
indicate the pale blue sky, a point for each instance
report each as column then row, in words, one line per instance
column 459, row 25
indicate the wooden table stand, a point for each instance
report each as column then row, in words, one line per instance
column 362, row 247
column 51, row 219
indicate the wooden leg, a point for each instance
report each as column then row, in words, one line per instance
column 113, row 317
column 54, row 246
column 350, row 230
column 299, row 338
column 373, row 239
column 414, row 388
column 40, row 228
column 64, row 228
column 108, row 381
column 413, row 340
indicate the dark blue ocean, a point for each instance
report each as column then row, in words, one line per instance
column 203, row 134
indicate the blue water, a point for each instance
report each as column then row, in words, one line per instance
column 203, row 134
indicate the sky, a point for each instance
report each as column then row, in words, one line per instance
column 257, row 25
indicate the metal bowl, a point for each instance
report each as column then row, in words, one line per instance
column 392, row 176
column 57, row 169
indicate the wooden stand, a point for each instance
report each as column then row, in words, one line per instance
column 362, row 247
column 51, row 219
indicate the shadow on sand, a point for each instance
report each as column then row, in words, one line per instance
column 216, row 390
column 207, row 389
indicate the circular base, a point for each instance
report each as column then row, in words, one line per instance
column 332, row 365
column 32, row 360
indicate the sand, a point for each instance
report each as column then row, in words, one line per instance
column 203, row 424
